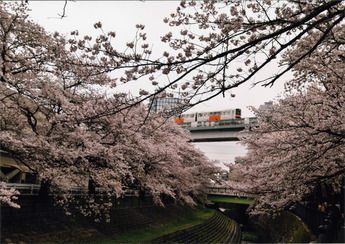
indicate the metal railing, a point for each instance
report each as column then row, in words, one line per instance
column 33, row 189
column 243, row 122
column 30, row 189
column 228, row 192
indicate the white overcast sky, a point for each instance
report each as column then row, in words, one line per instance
column 121, row 17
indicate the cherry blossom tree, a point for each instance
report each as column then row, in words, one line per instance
column 8, row 196
column 215, row 46
column 300, row 141
column 55, row 120
column 212, row 48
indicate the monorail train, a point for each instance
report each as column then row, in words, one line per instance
column 208, row 116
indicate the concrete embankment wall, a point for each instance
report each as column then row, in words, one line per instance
column 283, row 227
column 286, row 227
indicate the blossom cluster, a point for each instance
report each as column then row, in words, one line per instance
column 299, row 144
column 57, row 122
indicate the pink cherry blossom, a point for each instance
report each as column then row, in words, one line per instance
column 299, row 143
column 57, row 122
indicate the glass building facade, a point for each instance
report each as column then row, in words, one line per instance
column 166, row 104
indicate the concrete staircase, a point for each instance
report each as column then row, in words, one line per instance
column 218, row 229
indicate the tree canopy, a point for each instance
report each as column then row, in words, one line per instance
column 300, row 141
column 55, row 120
column 215, row 46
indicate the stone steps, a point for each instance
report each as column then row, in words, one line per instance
column 218, row 229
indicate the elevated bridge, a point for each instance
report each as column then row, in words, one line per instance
column 224, row 197
column 224, row 191
column 219, row 130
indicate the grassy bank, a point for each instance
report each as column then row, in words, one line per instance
column 131, row 225
column 172, row 221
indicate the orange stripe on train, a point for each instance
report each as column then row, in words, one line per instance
column 214, row 117
column 179, row 120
